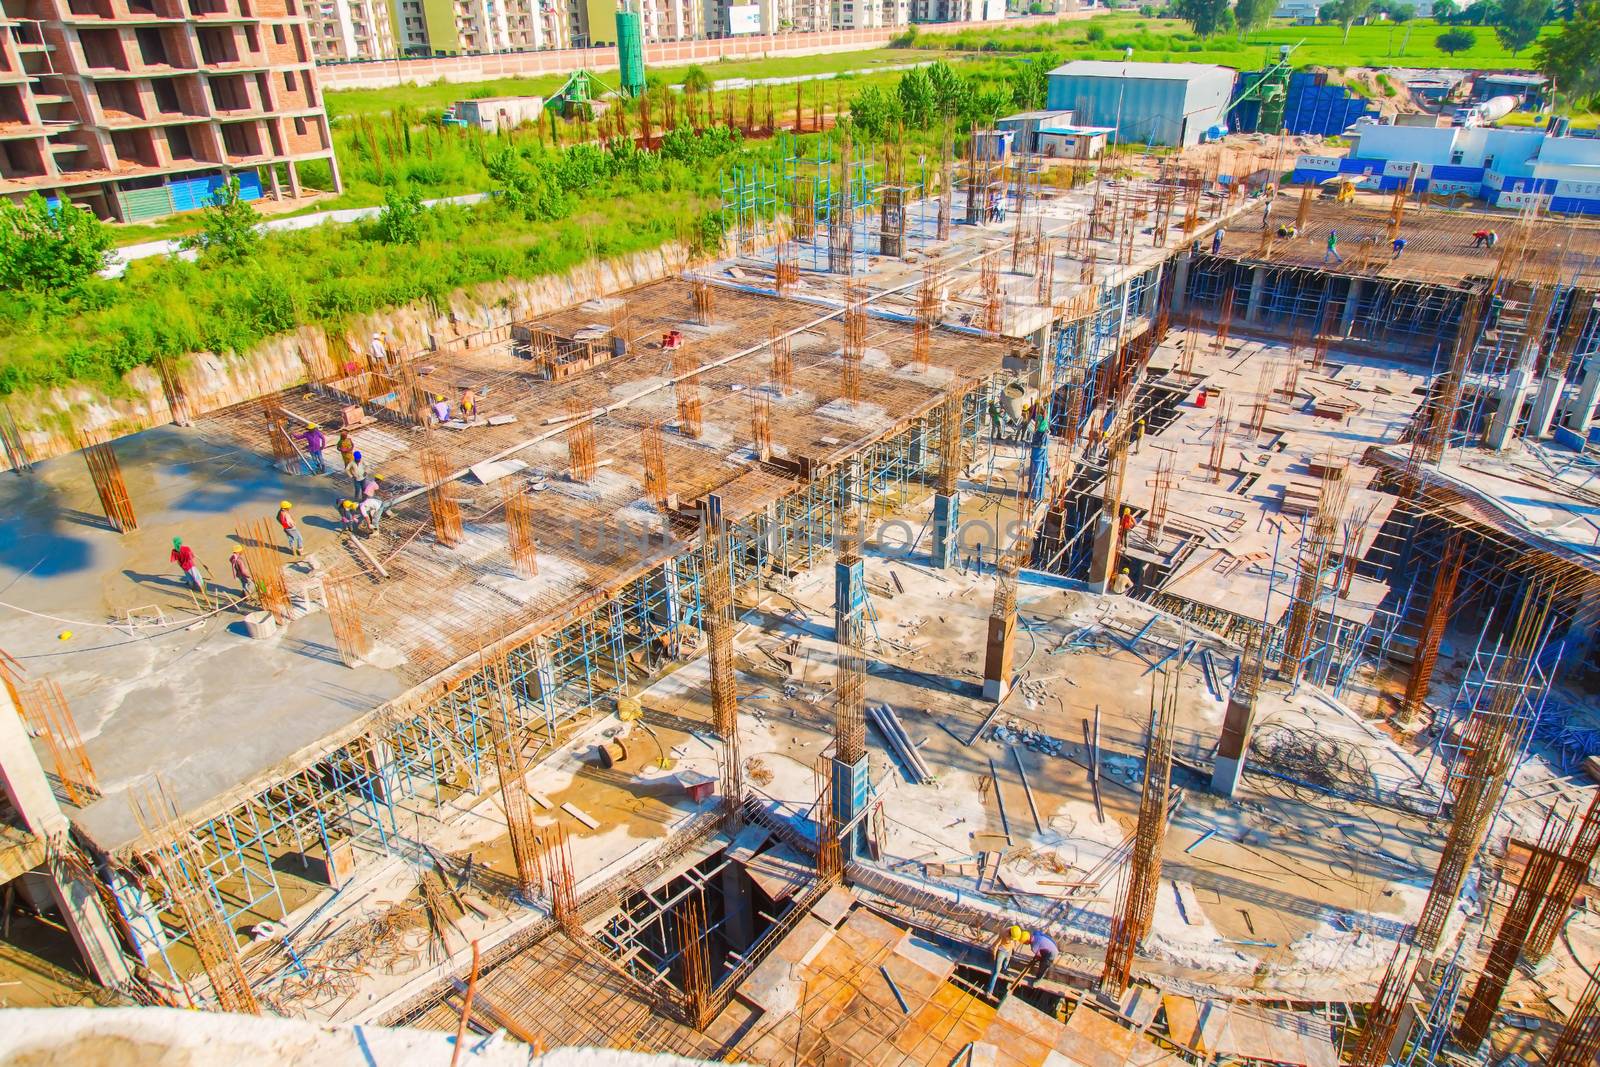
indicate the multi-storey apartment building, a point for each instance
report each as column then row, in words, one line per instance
column 351, row 30
column 137, row 108
column 458, row 27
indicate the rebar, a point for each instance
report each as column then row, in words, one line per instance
column 519, row 527
column 266, row 573
column 442, row 504
column 581, row 462
column 349, row 635
column 654, row 448
column 782, row 362
column 1433, row 627
column 49, row 717
column 686, row 390
column 178, row 861
column 1383, row 1015
column 109, row 485
column 1136, row 909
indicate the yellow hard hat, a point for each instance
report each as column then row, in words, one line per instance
column 438, row 396
column 286, row 504
column 1018, row 934
column 311, row 426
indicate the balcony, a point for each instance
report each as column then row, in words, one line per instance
column 103, row 50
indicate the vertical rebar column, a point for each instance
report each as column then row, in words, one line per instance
column 655, row 464
column 993, row 298
column 581, row 465
column 261, row 557
column 345, row 619
column 927, row 315
column 1312, row 560
column 1433, row 627
column 782, row 361
column 686, row 390
column 694, row 960
column 760, row 425
column 510, row 775
column 443, row 506
column 1136, row 910
column 704, row 301
column 175, row 854
column 1580, row 1041
column 1574, row 872
column 45, row 709
column 109, row 486
column 1494, row 735
column 855, row 343
column 718, row 625
column 519, row 527
column 1383, row 1015
column 842, row 216
column 1525, row 906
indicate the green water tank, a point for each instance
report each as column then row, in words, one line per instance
column 630, row 51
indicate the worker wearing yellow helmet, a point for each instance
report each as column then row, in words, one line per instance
column 440, row 408
column 297, row 544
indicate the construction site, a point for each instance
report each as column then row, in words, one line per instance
column 1013, row 612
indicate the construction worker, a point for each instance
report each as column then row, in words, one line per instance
column 1494, row 239
column 371, row 511
column 357, row 470
column 315, row 441
column 297, row 544
column 1399, row 246
column 1122, row 583
column 1288, row 229
column 469, row 403
column 1333, row 248
column 346, row 446
column 184, row 557
column 1216, row 240
column 440, row 408
column 369, row 488
column 997, row 418
column 1008, row 944
column 1138, row 434
column 1044, row 952
column 349, row 516
column 380, row 351
column 1480, row 238
column 241, row 571
column 1126, row 524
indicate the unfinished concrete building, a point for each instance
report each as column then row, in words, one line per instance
column 737, row 658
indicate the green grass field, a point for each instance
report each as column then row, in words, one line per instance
column 439, row 95
column 1170, row 41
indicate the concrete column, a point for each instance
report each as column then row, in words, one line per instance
column 1237, row 724
column 1545, row 402
column 1180, row 282
column 1102, row 564
column 1258, row 286
column 852, row 789
column 1347, row 318
column 946, row 529
column 1505, row 417
column 1582, row 413
column 294, row 180
column 76, row 898
column 997, row 656
column 738, row 909
column 849, row 596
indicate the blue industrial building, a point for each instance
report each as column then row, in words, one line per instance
column 1508, row 168
column 1313, row 105
column 1146, row 103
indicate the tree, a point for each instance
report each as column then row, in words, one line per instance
column 1570, row 58
column 400, row 221
column 695, row 79
column 1252, row 15
column 1478, row 13
column 1328, row 12
column 1520, row 21
column 1452, row 41
column 227, row 228
column 1400, row 13
column 1442, row 10
column 1205, row 16
column 1347, row 12
column 49, row 250
column 918, row 103
column 1030, row 83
